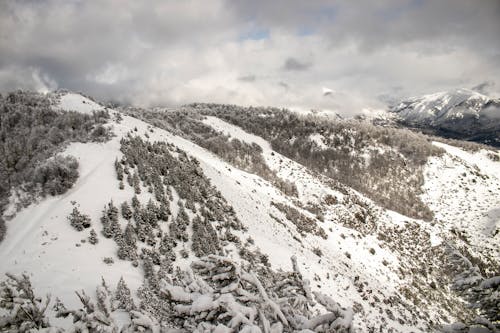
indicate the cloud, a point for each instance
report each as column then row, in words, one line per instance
column 484, row 87
column 284, row 85
column 247, row 78
column 292, row 64
column 327, row 91
column 234, row 51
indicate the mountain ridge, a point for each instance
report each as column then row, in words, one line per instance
column 460, row 114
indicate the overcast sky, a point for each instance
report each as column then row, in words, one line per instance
column 280, row 53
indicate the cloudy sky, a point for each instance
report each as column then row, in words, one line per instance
column 280, row 53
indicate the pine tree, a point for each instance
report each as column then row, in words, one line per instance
column 126, row 211
column 136, row 183
column 136, row 204
column 125, row 251
column 123, row 299
column 190, row 205
column 140, row 231
column 119, row 170
column 149, row 272
column 130, row 236
column 78, row 220
column 107, row 226
column 112, row 211
column 178, row 227
column 127, row 244
column 93, row 237
column 150, row 214
column 164, row 211
column 166, row 245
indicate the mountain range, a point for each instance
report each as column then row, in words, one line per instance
column 460, row 114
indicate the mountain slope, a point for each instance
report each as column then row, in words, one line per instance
column 391, row 270
column 461, row 114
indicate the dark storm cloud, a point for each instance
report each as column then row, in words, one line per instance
column 174, row 52
column 292, row 64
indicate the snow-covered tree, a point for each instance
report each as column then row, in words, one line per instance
column 24, row 312
column 78, row 220
column 93, row 237
column 122, row 297
column 126, row 211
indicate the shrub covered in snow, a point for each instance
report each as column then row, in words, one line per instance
column 78, row 220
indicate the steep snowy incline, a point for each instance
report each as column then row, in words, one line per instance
column 463, row 189
column 310, row 188
column 59, row 260
column 77, row 102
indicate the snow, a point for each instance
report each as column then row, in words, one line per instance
column 439, row 107
column 463, row 189
column 79, row 103
column 318, row 139
column 41, row 241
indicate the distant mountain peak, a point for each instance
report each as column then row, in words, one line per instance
column 460, row 113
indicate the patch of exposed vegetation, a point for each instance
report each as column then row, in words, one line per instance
column 304, row 224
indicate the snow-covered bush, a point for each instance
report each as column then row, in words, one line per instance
column 225, row 296
column 78, row 220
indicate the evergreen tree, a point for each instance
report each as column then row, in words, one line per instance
column 136, row 204
column 136, row 183
column 93, row 237
column 164, row 211
column 107, row 229
column 190, row 205
column 150, row 214
column 126, row 211
column 112, row 212
column 130, row 236
column 123, row 299
column 178, row 227
column 149, row 272
column 119, row 170
column 140, row 231
column 78, row 220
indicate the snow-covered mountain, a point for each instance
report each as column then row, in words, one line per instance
column 462, row 114
column 235, row 224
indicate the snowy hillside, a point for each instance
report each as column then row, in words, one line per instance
column 462, row 114
column 217, row 240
